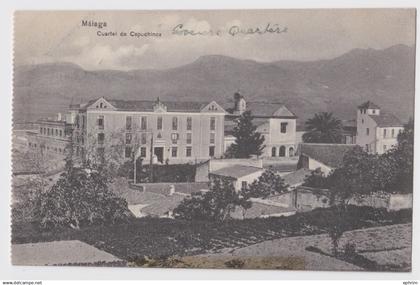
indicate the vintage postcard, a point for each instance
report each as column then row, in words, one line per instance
column 241, row 139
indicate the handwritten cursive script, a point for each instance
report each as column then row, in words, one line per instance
column 268, row 29
column 181, row 30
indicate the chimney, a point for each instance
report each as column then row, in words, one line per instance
column 240, row 104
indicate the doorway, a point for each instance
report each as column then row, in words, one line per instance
column 158, row 151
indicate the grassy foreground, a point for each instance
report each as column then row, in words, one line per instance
column 160, row 238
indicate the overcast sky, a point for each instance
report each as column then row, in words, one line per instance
column 311, row 34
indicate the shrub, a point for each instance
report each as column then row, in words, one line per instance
column 216, row 204
column 235, row 263
column 79, row 197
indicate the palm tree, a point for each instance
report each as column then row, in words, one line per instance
column 323, row 128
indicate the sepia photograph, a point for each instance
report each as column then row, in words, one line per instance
column 274, row 139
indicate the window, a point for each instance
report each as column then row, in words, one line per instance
column 40, row 130
column 174, row 138
column 101, row 122
column 61, row 133
column 159, row 123
column 56, row 132
column 211, row 151
column 127, row 151
column 283, row 128
column 143, row 123
column 212, row 123
column 273, row 151
column 282, row 151
column 212, row 138
column 128, row 122
column 189, row 138
column 128, row 138
column 373, row 111
column 367, row 147
column 174, row 123
column 291, row 152
column 174, row 151
column 244, row 184
column 143, row 151
column 101, row 138
column 367, row 131
column 143, row 138
column 393, row 133
column 188, row 151
column 384, row 133
column 48, row 131
column 363, row 121
column 385, row 147
column 189, row 123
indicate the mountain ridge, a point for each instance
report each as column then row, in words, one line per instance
column 305, row 87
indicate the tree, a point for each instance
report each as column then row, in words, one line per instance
column 336, row 227
column 317, row 179
column 323, row 128
column 269, row 183
column 402, row 157
column 80, row 197
column 247, row 140
column 216, row 204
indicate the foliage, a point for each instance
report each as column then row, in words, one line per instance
column 168, row 237
column 336, row 227
column 362, row 173
column 168, row 173
column 247, row 140
column 216, row 204
column 269, row 183
column 323, row 128
column 235, row 263
column 402, row 157
column 79, row 197
column 317, row 179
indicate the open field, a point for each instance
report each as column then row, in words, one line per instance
column 374, row 243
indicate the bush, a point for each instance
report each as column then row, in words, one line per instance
column 235, row 263
column 349, row 249
column 168, row 173
column 215, row 205
column 79, row 197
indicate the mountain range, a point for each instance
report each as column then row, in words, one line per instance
column 337, row 85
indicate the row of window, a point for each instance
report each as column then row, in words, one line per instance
column 51, row 132
column 159, row 123
column 385, row 133
column 174, row 151
column 174, row 138
column 55, row 149
column 282, row 151
column 363, row 111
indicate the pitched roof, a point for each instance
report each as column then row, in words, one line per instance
column 329, row 154
column 386, row 120
column 236, row 171
column 282, row 166
column 369, row 105
column 297, row 177
column 269, row 109
column 265, row 109
column 147, row 105
column 230, row 124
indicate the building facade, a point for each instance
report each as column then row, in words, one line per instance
column 377, row 131
column 162, row 132
column 53, row 135
column 273, row 120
